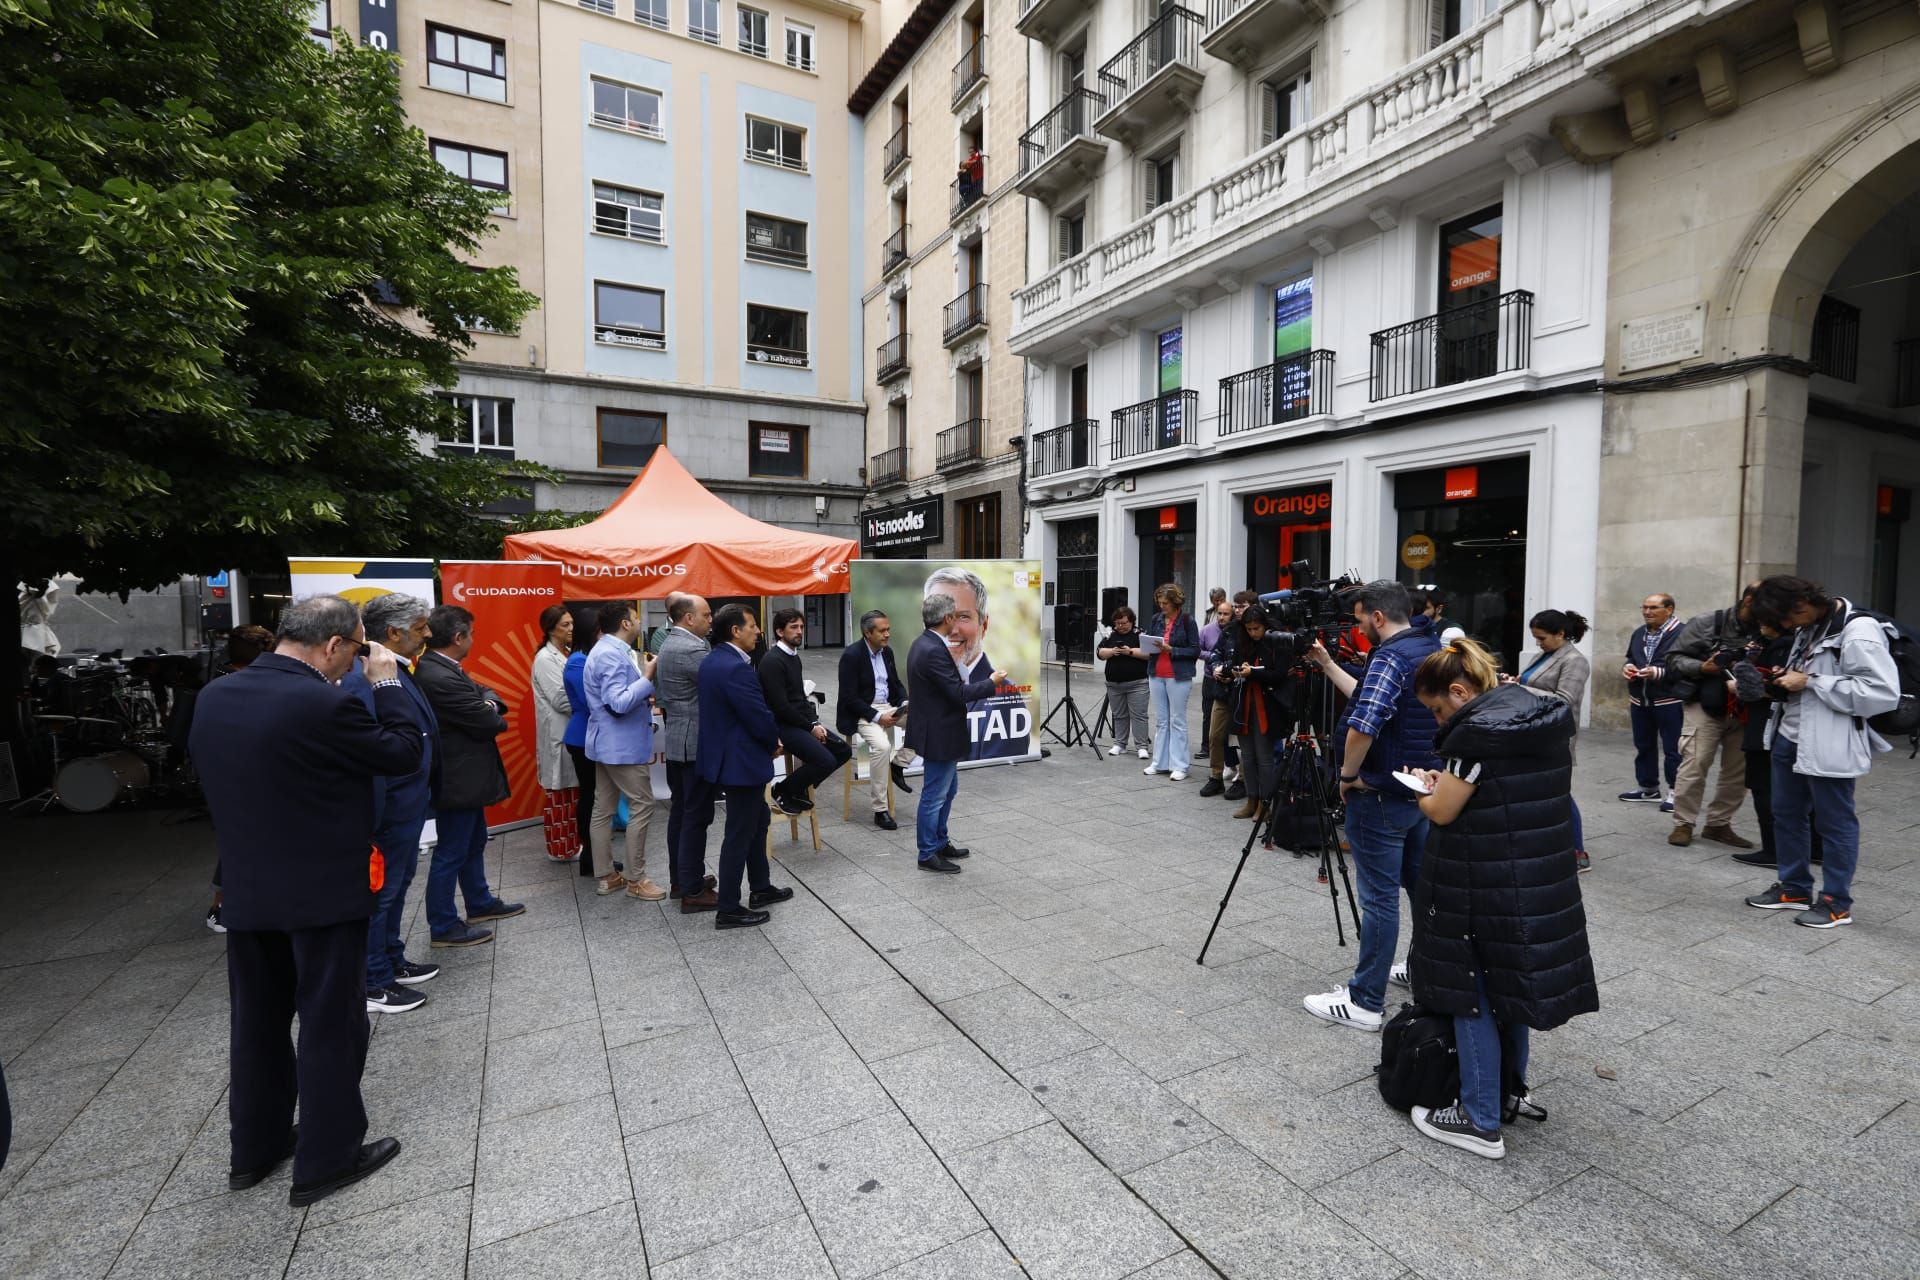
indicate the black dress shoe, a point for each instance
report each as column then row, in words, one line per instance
column 1212, row 787
column 767, row 897
column 899, row 778
column 885, row 822
column 677, row 892
column 240, row 1181
column 955, row 851
column 373, row 1155
column 1237, row 790
column 939, row 864
column 1757, row 858
column 740, row 919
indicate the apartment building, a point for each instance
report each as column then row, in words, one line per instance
column 943, row 103
column 679, row 181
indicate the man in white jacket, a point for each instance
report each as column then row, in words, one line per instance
column 1837, row 675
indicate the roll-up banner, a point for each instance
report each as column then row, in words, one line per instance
column 505, row 598
column 358, row 578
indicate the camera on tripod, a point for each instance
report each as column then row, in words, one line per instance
column 1303, row 615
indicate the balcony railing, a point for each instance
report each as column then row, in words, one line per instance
column 1164, row 422
column 893, row 250
column 1906, row 373
column 1287, row 390
column 896, row 153
column 969, row 191
column 1065, row 448
column 890, row 359
column 1072, row 118
column 1836, row 339
column 961, row 444
column 889, row 467
column 1173, row 37
column 970, row 70
column 965, row 313
column 1474, row 341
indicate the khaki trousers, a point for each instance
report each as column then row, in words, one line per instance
column 1217, row 738
column 635, row 782
column 880, row 744
column 1703, row 738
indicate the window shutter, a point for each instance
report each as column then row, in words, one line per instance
column 1150, row 182
column 1269, row 114
column 1062, row 239
column 1436, row 23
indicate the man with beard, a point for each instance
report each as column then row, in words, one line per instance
column 969, row 635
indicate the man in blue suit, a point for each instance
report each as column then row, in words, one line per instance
column 400, row 807
column 287, row 759
column 938, row 730
column 738, row 740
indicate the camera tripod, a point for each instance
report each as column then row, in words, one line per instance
column 1302, row 783
column 1075, row 723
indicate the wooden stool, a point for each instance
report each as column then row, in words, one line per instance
column 793, row 819
column 853, row 767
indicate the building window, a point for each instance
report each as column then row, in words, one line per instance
column 624, row 211
column 774, row 450
column 1070, row 233
column 479, row 324
column 800, row 46
column 597, row 6
column 776, row 335
column 1159, row 179
column 1286, row 103
column 485, row 430
column 320, row 22
column 776, row 240
column 628, row 316
column 753, row 32
column 625, row 106
column 464, row 63
column 977, row 521
column 703, row 20
column 771, row 142
column 896, row 424
column 628, row 438
column 478, row 166
column 650, row 13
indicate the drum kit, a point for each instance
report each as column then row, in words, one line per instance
column 99, row 733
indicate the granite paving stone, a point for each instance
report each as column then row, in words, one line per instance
column 1107, row 1103
column 227, row 1236
column 602, row 1245
column 980, row 1256
column 674, row 1077
column 705, row 1181
column 543, row 1069
column 809, row 1086
column 1151, row 1036
column 886, row 1019
column 1017, row 1028
column 784, row 1250
column 425, row 1238
column 542, row 1166
column 956, row 1096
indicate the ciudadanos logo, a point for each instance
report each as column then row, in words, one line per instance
column 465, row 591
column 824, row 571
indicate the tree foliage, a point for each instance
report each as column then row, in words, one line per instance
column 230, row 276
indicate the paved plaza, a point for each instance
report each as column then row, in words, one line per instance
column 1016, row 1071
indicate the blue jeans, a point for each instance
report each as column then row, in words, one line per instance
column 460, row 856
column 938, row 784
column 1799, row 803
column 1490, row 1051
column 1171, row 750
column 386, row 949
column 1656, row 733
column 1387, row 836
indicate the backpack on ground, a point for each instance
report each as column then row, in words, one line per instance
column 1419, row 1065
column 1903, row 720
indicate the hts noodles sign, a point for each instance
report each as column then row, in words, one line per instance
column 505, row 599
column 1002, row 631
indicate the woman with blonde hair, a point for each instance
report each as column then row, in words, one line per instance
column 1499, row 932
column 1170, row 680
column 551, row 710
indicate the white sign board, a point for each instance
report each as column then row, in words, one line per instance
column 1666, row 338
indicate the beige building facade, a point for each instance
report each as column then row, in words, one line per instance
column 942, row 107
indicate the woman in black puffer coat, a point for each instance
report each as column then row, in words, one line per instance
column 1499, row 934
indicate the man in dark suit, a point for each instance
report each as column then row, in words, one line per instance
column 287, row 759
column 738, row 740
column 400, row 806
column 871, row 697
column 472, row 776
column 818, row 752
column 938, row 728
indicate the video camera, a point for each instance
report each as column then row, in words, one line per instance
column 1302, row 615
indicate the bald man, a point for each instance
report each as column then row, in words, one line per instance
column 677, row 686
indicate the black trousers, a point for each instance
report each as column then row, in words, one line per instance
column 687, row 822
column 320, row 974
column 1760, row 787
column 817, row 759
column 584, row 770
column 743, row 846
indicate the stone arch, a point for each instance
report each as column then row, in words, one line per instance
column 1766, row 300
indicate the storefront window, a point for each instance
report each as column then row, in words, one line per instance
column 1168, row 552
column 1463, row 530
column 1284, row 526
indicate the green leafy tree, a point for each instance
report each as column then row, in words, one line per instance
column 231, row 275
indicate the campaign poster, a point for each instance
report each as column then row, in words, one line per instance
column 999, row 629
column 505, row 598
column 1172, row 369
column 359, row 579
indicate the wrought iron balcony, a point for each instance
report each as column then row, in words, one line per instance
column 969, row 191
column 1475, row 341
column 970, row 70
column 1244, row 32
column 1155, row 77
column 965, row 314
column 893, row 251
column 1167, row 421
column 961, row 445
column 895, row 154
column 1065, row 448
column 889, row 467
column 1061, row 150
column 890, row 360
column 1287, row 390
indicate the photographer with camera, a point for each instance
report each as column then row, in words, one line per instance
column 1388, row 728
column 1705, row 652
column 1253, row 673
column 1126, row 683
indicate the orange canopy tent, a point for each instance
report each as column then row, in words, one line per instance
column 667, row 533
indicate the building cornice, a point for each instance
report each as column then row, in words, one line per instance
column 900, row 51
column 651, row 387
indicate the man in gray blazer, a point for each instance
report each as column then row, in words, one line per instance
column 677, row 685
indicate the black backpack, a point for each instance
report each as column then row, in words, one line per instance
column 1419, row 1066
column 1903, row 720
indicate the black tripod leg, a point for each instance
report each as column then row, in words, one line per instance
column 1245, row 852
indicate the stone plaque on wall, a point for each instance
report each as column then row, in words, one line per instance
column 1666, row 338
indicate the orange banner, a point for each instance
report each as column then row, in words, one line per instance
column 505, row 599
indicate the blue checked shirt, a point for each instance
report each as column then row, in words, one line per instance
column 1374, row 699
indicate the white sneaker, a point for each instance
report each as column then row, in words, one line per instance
column 1400, row 975
column 1116, row 749
column 1145, row 754
column 1149, row 771
column 1179, row 775
column 1336, row 1006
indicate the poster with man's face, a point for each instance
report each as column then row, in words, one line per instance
column 996, row 626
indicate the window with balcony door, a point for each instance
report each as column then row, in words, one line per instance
column 462, row 62
column 1160, row 179
column 626, row 106
column 1448, row 18
column 628, row 212
column 1070, row 233
column 1468, row 292
column 1286, row 103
